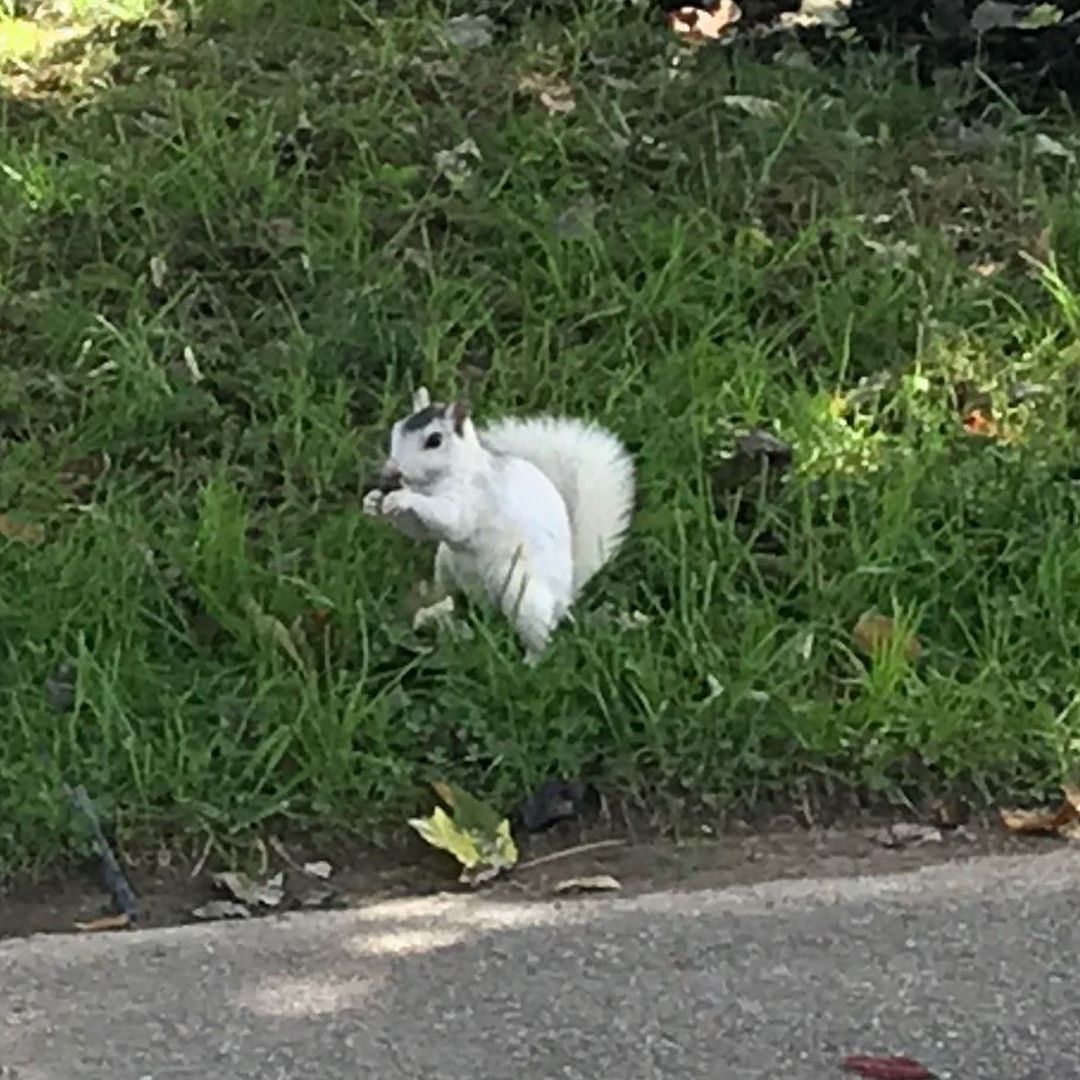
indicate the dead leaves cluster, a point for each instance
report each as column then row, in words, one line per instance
column 555, row 94
column 1062, row 820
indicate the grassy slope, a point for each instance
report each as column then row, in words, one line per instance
column 739, row 271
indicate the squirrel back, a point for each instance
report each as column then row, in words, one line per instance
column 591, row 470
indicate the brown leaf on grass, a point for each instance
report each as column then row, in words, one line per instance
column 30, row 533
column 875, row 633
column 556, row 95
column 1062, row 820
column 697, row 24
column 980, row 422
column 105, row 922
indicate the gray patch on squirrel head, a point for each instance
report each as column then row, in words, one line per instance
column 420, row 420
column 457, row 413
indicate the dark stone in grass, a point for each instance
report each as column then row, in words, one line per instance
column 60, row 688
column 555, row 801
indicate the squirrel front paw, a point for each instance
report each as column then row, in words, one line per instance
column 373, row 502
column 394, row 502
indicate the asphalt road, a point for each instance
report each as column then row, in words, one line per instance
column 970, row 968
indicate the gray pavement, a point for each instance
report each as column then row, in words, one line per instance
column 970, row 967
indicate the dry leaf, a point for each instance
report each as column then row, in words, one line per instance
column 269, row 893
column 595, row 883
column 556, row 95
column 105, row 922
column 320, row 869
column 981, row 422
column 694, row 24
column 221, row 909
column 874, row 633
column 906, row 834
column 987, row 269
column 1045, row 820
column 21, row 532
column 977, row 422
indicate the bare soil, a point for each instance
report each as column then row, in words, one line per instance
column 169, row 894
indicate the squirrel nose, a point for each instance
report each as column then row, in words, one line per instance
column 390, row 473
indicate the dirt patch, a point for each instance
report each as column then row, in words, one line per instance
column 167, row 897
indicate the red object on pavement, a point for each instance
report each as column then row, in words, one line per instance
column 887, row 1068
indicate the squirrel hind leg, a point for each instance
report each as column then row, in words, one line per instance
column 535, row 615
column 445, row 573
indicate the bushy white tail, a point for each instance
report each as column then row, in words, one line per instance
column 591, row 470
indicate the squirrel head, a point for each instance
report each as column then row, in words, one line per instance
column 435, row 441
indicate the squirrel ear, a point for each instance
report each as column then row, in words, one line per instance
column 457, row 414
column 421, row 399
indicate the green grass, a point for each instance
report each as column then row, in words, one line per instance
column 274, row 172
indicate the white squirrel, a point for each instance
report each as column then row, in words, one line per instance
column 526, row 511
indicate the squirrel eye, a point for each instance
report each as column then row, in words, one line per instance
column 433, row 441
